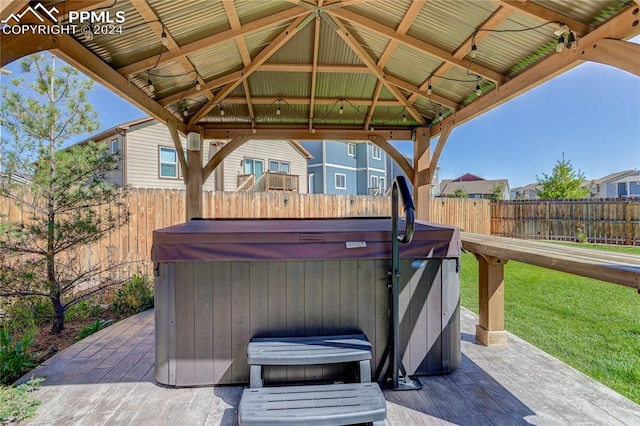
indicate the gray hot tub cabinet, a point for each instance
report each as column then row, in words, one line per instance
column 220, row 283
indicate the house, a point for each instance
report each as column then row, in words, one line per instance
column 148, row 159
column 394, row 170
column 474, row 186
column 343, row 167
column 606, row 187
column 628, row 186
column 527, row 192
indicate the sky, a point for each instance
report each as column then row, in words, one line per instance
column 590, row 113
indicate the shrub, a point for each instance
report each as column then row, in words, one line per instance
column 136, row 295
column 36, row 309
column 16, row 403
column 82, row 310
column 93, row 328
column 15, row 358
column 582, row 235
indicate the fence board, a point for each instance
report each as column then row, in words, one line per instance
column 608, row 221
column 151, row 209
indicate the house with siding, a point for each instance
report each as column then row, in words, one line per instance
column 474, row 186
column 610, row 186
column 148, row 158
column 345, row 167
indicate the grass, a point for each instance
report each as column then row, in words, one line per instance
column 17, row 403
column 591, row 325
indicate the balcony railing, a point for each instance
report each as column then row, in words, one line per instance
column 269, row 182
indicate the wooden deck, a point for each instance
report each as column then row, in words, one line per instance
column 108, row 378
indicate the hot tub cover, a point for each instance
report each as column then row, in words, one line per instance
column 298, row 239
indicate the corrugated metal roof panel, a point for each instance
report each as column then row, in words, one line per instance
column 500, row 51
column 412, row 66
column 345, row 86
column 189, row 21
column 250, row 10
column 455, row 85
column 385, row 94
column 447, row 24
column 372, row 42
column 280, row 85
column 388, row 13
column 166, row 79
column 220, row 60
column 298, row 50
column 587, row 12
column 329, row 115
column 259, row 40
column 291, row 114
column 333, row 50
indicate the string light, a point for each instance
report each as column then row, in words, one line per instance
column 313, row 130
column 198, row 85
column 278, row 111
column 341, row 110
column 478, row 90
column 560, row 45
column 150, row 86
column 404, row 115
column 253, row 127
column 474, row 48
column 163, row 39
column 371, row 128
column 221, row 110
column 185, row 112
column 88, row 34
column 429, row 89
column 571, row 39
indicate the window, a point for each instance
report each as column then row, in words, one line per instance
column 375, row 152
column 341, row 181
column 279, row 166
column 351, row 149
column 382, row 186
column 168, row 163
column 253, row 166
column 374, row 182
column 114, row 146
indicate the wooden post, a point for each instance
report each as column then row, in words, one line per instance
column 421, row 180
column 194, row 176
column 490, row 331
column 628, row 214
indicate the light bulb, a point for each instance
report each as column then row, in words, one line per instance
column 185, row 112
column 341, row 110
column 478, row 90
column 198, row 86
column 164, row 40
column 278, row 111
column 253, row 130
column 571, row 39
column 474, row 51
column 429, row 90
column 440, row 116
column 560, row 45
column 150, row 85
column 371, row 129
column 404, row 116
column 313, row 130
column 221, row 110
column 88, row 33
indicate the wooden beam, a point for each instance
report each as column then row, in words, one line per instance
column 314, row 69
column 619, row 27
column 616, row 53
column 265, row 54
column 403, row 27
column 543, row 14
column 421, row 161
column 306, row 101
column 326, row 68
column 211, row 41
column 14, row 46
column 302, row 133
column 177, row 143
column 360, row 51
column 193, row 204
column 9, row 7
column 490, row 328
column 444, row 136
column 418, row 45
column 393, row 153
column 223, row 153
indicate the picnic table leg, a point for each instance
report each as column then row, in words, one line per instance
column 490, row 330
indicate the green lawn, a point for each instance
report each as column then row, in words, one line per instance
column 591, row 325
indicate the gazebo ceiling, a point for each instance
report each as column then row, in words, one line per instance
column 319, row 65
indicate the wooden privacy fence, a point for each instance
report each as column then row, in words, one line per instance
column 609, row 221
column 151, row 209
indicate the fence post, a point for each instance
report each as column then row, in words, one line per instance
column 547, row 221
column 627, row 224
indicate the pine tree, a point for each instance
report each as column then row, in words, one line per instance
column 69, row 202
column 564, row 182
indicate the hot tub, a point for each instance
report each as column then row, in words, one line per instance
column 221, row 282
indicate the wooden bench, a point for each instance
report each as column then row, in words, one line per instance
column 308, row 351
column 337, row 404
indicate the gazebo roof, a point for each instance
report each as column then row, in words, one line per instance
column 314, row 69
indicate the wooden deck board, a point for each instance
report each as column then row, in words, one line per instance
column 109, row 379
